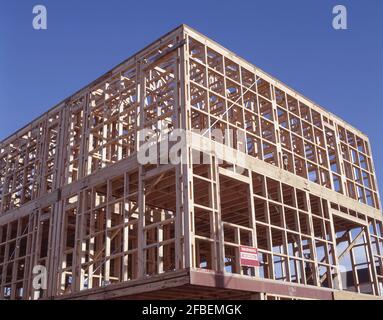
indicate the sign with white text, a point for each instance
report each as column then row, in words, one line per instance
column 248, row 256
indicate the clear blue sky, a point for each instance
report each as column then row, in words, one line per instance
column 292, row 40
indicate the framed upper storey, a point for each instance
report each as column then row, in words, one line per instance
column 275, row 123
column 97, row 126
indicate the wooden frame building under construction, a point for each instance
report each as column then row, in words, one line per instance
column 78, row 207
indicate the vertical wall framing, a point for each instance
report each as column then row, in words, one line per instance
column 104, row 225
column 74, row 199
column 297, row 235
column 274, row 124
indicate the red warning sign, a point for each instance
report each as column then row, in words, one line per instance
column 248, row 256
